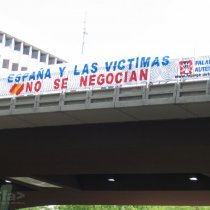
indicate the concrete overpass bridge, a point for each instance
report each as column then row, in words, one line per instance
column 125, row 145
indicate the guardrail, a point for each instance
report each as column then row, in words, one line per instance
column 171, row 93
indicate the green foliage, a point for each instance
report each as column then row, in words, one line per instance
column 115, row 207
column 38, row 208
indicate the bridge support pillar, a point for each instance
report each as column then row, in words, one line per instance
column 5, row 196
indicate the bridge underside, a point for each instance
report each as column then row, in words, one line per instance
column 141, row 163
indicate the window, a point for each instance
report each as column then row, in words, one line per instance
column 8, row 42
column 51, row 61
column 17, row 46
column 24, row 68
column 34, row 54
column 1, row 38
column 26, row 50
column 5, row 64
column 15, row 67
column 58, row 62
column 43, row 57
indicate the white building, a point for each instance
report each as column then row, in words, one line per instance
column 17, row 55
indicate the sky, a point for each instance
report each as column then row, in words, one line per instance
column 115, row 28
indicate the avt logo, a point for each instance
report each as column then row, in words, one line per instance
column 186, row 67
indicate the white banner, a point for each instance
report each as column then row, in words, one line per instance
column 124, row 72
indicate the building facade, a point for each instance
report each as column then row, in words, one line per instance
column 19, row 56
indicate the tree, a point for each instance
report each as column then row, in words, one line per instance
column 117, row 207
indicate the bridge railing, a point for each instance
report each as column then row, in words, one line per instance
column 171, row 93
